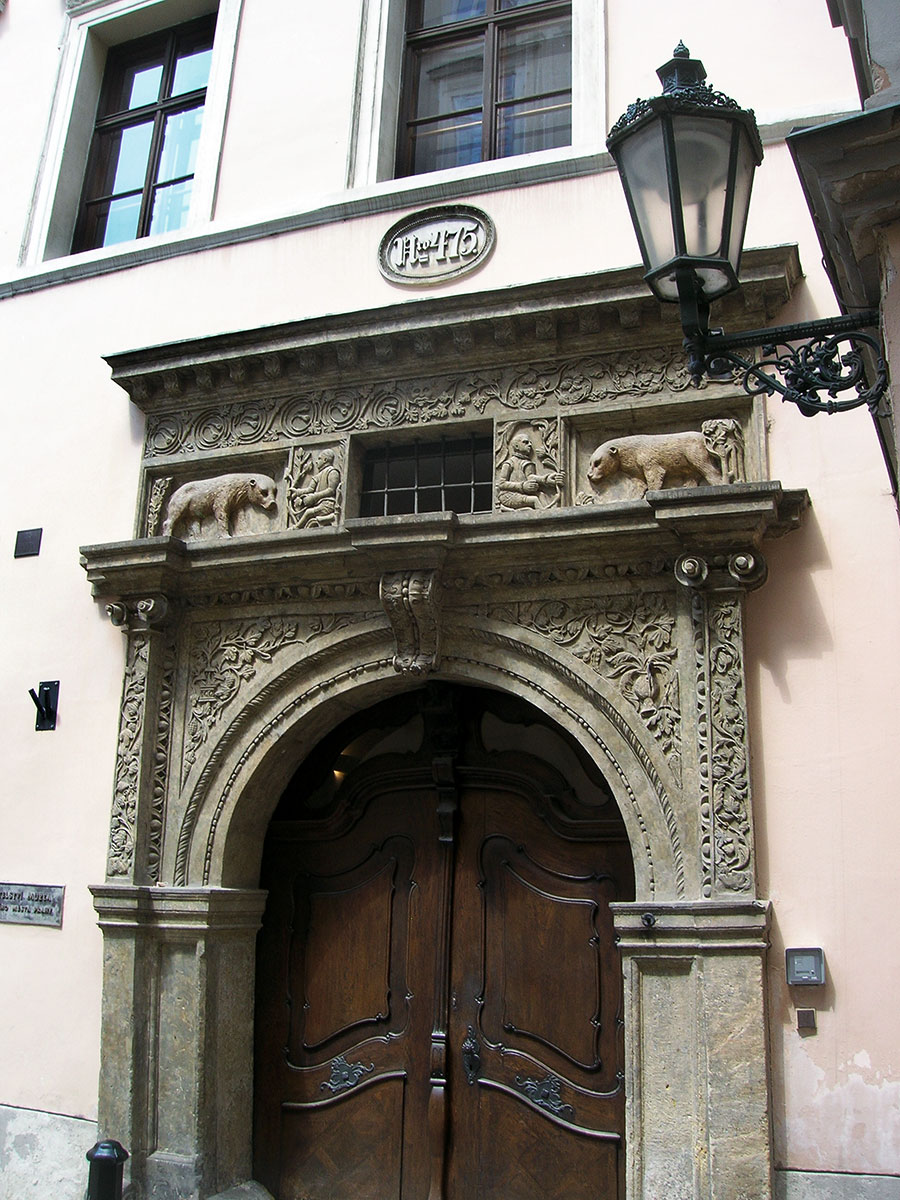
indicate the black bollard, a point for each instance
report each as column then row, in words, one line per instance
column 107, row 1161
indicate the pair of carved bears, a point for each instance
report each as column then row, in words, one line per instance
column 651, row 459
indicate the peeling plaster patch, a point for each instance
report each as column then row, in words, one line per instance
column 853, row 1125
column 42, row 1154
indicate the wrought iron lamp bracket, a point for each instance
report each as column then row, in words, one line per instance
column 804, row 363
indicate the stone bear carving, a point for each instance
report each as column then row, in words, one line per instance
column 652, row 457
column 221, row 498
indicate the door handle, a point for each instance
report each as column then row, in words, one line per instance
column 471, row 1058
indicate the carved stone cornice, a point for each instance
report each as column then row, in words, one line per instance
column 607, row 312
column 711, row 521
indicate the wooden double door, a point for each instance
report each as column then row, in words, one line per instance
column 439, row 994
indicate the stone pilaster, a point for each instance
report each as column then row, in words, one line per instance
column 177, row 1034
column 696, row 1053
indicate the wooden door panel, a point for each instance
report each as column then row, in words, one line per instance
column 535, row 920
column 537, row 984
column 350, row 1148
column 522, row 1155
column 344, row 1004
column 341, row 919
column 413, row 918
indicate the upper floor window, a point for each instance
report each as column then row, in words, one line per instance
column 484, row 79
column 144, row 150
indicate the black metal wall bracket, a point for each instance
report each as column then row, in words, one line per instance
column 45, row 700
column 798, row 361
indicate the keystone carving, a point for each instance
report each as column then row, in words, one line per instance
column 313, row 489
column 526, row 473
column 713, row 455
column 411, row 600
column 222, row 498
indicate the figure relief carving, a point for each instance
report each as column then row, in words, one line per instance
column 313, row 488
column 411, row 600
column 120, row 859
column 650, row 461
column 726, row 838
column 222, row 498
column 527, row 477
column 628, row 641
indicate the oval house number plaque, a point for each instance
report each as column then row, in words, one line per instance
column 437, row 244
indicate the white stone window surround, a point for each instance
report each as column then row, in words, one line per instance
column 91, row 27
column 373, row 143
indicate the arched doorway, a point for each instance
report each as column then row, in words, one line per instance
column 439, row 994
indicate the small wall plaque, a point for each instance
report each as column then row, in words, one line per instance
column 436, row 244
column 31, row 904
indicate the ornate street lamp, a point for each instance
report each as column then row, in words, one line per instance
column 686, row 160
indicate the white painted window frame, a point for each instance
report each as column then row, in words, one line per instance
column 377, row 101
column 91, row 28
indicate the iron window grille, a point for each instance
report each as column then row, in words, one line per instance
column 141, row 165
column 484, row 79
column 453, row 475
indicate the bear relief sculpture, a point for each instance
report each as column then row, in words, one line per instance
column 222, row 498
column 651, row 461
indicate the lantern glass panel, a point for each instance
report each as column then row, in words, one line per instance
column 642, row 158
column 703, row 151
column 740, row 205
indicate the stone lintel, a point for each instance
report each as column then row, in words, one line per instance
column 725, row 518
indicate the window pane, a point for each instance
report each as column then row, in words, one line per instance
column 170, row 207
column 449, row 79
column 401, row 473
column 449, row 143
column 458, row 468
column 458, row 499
column 401, row 503
column 141, row 85
column 191, row 72
column 429, row 470
column 534, row 125
column 442, row 12
column 535, row 59
column 126, row 152
column 179, row 152
column 430, row 500
column 113, row 221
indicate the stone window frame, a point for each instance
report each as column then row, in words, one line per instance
column 382, row 42
column 91, row 28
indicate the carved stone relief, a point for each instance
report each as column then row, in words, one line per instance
column 646, row 462
column 226, row 654
column 312, row 488
column 389, row 404
column 128, row 760
column 527, row 476
column 629, row 641
column 411, row 600
column 222, row 498
column 158, row 493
